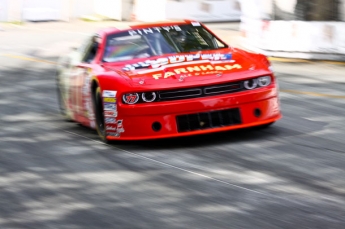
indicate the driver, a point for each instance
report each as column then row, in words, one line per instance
column 184, row 41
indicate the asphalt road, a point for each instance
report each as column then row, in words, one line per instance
column 55, row 174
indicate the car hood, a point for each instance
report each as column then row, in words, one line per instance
column 240, row 65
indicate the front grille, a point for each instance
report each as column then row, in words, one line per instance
column 221, row 89
column 207, row 120
column 186, row 93
column 200, row 91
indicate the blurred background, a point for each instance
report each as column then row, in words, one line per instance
column 312, row 29
column 309, row 29
column 57, row 175
column 148, row 10
column 126, row 10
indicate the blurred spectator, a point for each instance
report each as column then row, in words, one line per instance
column 308, row 10
column 317, row 10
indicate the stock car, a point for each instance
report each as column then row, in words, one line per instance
column 162, row 80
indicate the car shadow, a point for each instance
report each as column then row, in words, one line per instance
column 225, row 137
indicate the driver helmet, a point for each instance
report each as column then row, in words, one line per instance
column 180, row 37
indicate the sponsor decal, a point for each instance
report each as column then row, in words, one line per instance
column 154, row 30
column 115, row 130
column 109, row 127
column 110, row 120
column 109, row 100
column 177, row 59
column 86, row 96
column 85, row 90
column 110, row 114
column 113, row 134
column 111, row 94
column 197, row 70
column 120, row 128
column 109, row 106
column 194, row 23
column 86, row 85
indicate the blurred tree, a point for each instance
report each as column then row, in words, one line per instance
column 317, row 10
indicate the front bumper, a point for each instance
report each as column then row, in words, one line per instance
column 139, row 122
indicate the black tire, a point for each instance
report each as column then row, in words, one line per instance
column 99, row 114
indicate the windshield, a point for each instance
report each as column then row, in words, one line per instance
column 155, row 41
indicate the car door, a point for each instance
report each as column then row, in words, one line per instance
column 80, row 94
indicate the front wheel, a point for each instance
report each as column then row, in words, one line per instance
column 99, row 114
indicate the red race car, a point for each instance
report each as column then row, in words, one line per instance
column 165, row 80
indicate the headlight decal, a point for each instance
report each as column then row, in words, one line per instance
column 131, row 98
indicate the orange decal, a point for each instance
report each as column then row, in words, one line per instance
column 192, row 69
column 198, row 70
column 168, row 74
column 220, row 68
column 157, row 76
column 207, row 67
column 180, row 70
column 230, row 67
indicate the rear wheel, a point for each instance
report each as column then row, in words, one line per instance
column 62, row 100
column 99, row 114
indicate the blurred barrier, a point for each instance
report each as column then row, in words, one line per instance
column 109, row 8
column 312, row 29
column 139, row 10
column 3, row 11
column 204, row 10
column 44, row 10
column 149, row 10
column 41, row 10
column 51, row 10
column 200, row 10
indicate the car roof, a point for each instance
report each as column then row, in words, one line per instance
column 113, row 30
